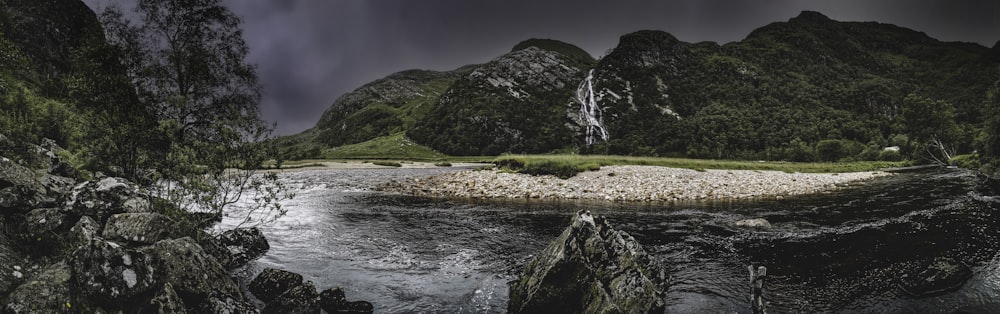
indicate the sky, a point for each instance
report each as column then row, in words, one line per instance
column 309, row 52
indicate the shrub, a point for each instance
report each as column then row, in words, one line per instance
column 443, row 164
column 890, row 155
column 968, row 161
column 835, row 150
column 387, row 163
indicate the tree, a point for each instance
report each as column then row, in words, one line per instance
column 186, row 59
column 991, row 151
column 931, row 125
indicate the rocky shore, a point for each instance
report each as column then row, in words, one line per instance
column 589, row 268
column 629, row 184
column 70, row 244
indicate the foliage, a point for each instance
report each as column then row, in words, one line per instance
column 578, row 57
column 562, row 168
column 967, row 161
column 396, row 146
column 991, row 147
column 186, row 61
column 505, row 106
column 835, row 150
column 383, row 107
column 387, row 163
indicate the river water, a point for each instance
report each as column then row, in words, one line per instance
column 839, row 252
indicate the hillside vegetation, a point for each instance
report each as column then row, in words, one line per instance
column 809, row 89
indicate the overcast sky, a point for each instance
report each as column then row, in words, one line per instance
column 309, row 52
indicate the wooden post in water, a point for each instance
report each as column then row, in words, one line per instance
column 757, row 289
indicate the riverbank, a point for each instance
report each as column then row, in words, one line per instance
column 629, row 184
column 319, row 164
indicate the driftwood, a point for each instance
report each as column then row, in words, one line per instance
column 757, row 289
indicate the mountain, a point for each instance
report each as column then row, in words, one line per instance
column 520, row 101
column 785, row 89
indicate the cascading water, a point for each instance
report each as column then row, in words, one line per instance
column 589, row 111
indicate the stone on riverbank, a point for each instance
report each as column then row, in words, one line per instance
column 106, row 272
column 271, row 283
column 589, row 268
column 243, row 245
column 939, row 275
column 333, row 301
column 49, row 291
column 755, row 223
column 629, row 184
column 300, row 299
column 165, row 301
column 194, row 274
column 142, row 228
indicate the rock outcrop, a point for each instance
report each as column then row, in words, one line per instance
column 286, row 292
column 589, row 268
column 49, row 291
column 935, row 276
column 98, row 246
column 333, row 301
column 243, row 245
column 521, row 102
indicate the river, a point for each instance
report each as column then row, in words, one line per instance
column 838, row 252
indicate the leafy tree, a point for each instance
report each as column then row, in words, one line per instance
column 991, row 151
column 931, row 125
column 186, row 60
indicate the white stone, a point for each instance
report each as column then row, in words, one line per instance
column 130, row 278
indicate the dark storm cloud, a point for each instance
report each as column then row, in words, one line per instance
column 309, row 52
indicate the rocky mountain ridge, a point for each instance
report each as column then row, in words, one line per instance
column 774, row 95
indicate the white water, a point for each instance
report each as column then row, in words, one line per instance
column 589, row 111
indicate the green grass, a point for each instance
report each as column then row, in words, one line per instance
column 387, row 163
column 395, row 146
column 565, row 166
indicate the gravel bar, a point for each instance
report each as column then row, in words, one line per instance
column 628, row 184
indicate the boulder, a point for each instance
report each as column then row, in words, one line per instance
column 14, row 265
column 137, row 204
column 102, row 198
column 57, row 187
column 271, row 283
column 194, row 274
column 935, row 276
column 108, row 273
column 333, row 301
column 82, row 232
column 45, row 227
column 589, row 268
column 224, row 303
column 300, row 299
column 243, row 245
column 755, row 223
column 165, row 301
column 48, row 292
column 20, row 189
column 143, row 228
column 211, row 245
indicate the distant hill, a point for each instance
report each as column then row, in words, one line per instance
column 775, row 95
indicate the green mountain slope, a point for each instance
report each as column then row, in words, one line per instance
column 788, row 85
column 792, row 90
column 519, row 102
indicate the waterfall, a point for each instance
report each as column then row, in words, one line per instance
column 589, row 111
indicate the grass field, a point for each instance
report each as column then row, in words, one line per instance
column 395, row 146
column 399, row 147
column 569, row 165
